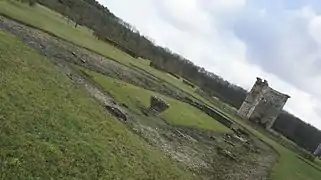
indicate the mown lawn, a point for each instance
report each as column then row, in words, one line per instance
column 134, row 97
column 51, row 129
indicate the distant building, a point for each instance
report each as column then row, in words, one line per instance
column 263, row 104
column 317, row 152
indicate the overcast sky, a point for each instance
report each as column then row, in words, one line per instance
column 278, row 40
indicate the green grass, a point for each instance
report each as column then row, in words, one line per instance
column 164, row 76
column 289, row 166
column 134, row 97
column 53, row 23
column 51, row 129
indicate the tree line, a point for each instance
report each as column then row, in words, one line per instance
column 106, row 26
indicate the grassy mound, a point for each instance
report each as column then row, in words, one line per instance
column 51, row 129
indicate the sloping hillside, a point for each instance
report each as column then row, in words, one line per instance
column 52, row 129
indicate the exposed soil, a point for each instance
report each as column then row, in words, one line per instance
column 208, row 155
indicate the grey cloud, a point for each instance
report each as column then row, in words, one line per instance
column 167, row 16
column 318, row 121
column 280, row 46
column 285, row 4
column 316, row 67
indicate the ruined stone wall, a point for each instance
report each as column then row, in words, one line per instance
column 263, row 104
column 276, row 101
column 269, row 107
column 317, row 152
column 253, row 98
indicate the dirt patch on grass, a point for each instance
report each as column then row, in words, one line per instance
column 199, row 151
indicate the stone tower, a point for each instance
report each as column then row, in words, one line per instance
column 263, row 104
column 317, row 152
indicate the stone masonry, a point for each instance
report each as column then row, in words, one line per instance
column 317, row 152
column 157, row 105
column 263, row 104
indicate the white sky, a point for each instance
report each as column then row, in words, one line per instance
column 240, row 40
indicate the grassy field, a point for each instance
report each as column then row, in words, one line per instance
column 289, row 166
column 134, row 97
column 52, row 129
column 54, row 23
column 57, row 25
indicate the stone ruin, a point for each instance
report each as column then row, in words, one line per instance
column 263, row 104
column 157, row 105
column 317, row 152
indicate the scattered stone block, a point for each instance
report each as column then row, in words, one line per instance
column 226, row 153
column 157, row 105
column 74, row 54
column 116, row 112
column 240, row 139
column 82, row 60
column 230, row 143
column 124, row 105
column 242, row 132
column 213, row 138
